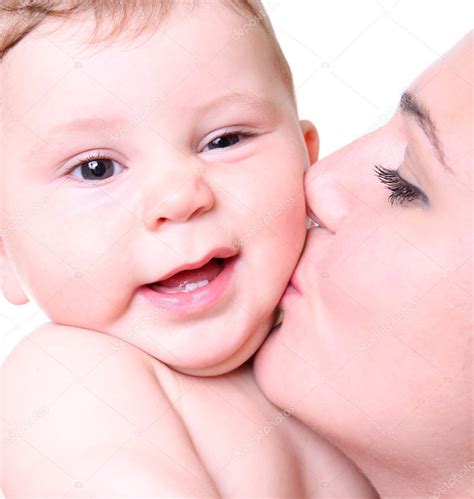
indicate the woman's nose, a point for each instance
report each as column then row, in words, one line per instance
column 342, row 185
column 327, row 196
column 184, row 200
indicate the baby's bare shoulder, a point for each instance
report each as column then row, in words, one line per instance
column 55, row 358
column 81, row 407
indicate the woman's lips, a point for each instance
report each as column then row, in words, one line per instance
column 317, row 244
column 291, row 289
column 185, row 296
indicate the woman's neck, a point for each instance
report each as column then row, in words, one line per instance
column 424, row 479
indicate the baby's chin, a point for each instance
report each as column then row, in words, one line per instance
column 215, row 363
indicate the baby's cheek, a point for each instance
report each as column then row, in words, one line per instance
column 71, row 263
column 293, row 229
column 290, row 206
column 286, row 235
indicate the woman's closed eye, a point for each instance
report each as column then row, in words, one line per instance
column 403, row 193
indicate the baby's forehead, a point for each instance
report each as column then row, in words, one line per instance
column 30, row 72
column 201, row 40
column 68, row 78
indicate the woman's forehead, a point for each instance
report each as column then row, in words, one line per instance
column 456, row 67
column 444, row 90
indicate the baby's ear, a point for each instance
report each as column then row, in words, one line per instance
column 9, row 283
column 311, row 138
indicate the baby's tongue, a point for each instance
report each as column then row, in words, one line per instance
column 189, row 280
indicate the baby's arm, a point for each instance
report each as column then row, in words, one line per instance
column 66, row 439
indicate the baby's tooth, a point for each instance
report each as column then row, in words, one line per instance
column 190, row 286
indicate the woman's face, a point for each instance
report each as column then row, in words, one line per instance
column 375, row 342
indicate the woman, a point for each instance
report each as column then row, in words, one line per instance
column 376, row 340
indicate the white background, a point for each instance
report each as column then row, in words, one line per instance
column 351, row 61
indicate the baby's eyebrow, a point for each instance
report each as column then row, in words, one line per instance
column 81, row 125
column 86, row 124
column 113, row 123
column 249, row 99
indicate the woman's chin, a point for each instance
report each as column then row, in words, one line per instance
column 278, row 373
column 280, row 351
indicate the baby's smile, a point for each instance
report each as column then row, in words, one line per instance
column 151, row 220
column 185, row 281
column 194, row 287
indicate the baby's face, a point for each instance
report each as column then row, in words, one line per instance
column 170, row 192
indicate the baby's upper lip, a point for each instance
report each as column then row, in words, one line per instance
column 221, row 252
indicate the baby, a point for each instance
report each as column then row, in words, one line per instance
column 152, row 205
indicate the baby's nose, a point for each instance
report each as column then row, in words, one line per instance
column 184, row 200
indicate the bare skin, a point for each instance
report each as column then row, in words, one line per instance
column 382, row 314
column 87, row 413
column 171, row 201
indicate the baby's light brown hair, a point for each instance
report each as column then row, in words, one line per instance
column 18, row 18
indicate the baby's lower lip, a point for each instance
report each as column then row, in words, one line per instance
column 191, row 299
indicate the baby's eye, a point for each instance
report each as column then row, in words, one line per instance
column 227, row 139
column 95, row 169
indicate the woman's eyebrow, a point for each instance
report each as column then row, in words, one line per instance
column 411, row 106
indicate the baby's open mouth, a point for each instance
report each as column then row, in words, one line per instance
column 194, row 287
column 191, row 279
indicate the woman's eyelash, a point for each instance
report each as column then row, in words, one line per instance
column 402, row 192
